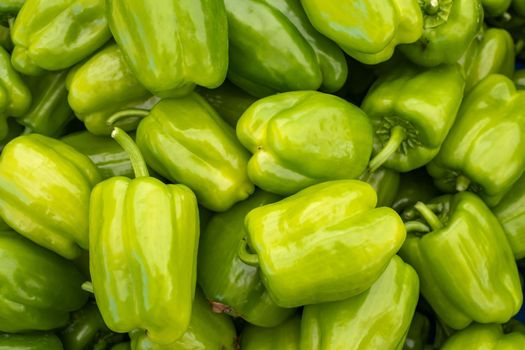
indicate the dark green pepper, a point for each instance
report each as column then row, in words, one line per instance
column 53, row 35
column 302, row 138
column 309, row 246
column 103, row 85
column 519, row 79
column 206, row 331
column 107, row 155
column 418, row 334
column 483, row 151
column 5, row 38
column 44, row 192
column 143, row 238
column 39, row 288
column 415, row 186
column 465, row 262
column 186, row 141
column 385, row 182
column 286, row 336
column 486, row 337
column 378, row 318
column 10, row 7
column 274, row 48
column 36, row 341
column 410, row 123
column 368, row 30
column 495, row 7
column 186, row 42
column 231, row 285
column 449, row 28
column 50, row 111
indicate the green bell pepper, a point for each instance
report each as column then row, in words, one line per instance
column 511, row 214
column 50, row 111
column 491, row 52
column 385, row 182
column 186, row 141
column 143, row 251
column 493, row 8
column 486, row 337
column 309, row 246
column 274, row 48
column 13, row 130
column 378, row 318
column 44, row 192
column 231, row 285
column 228, row 100
column 418, row 334
column 35, row 341
column 122, row 346
column 107, row 155
column 39, row 288
column 5, row 38
column 410, row 123
column 56, row 34
column 519, row 7
column 415, row 186
column 104, row 85
column 87, row 330
column 286, row 336
column 519, row 79
column 10, row 7
column 483, row 151
column 302, row 138
column 367, row 31
column 15, row 96
column 206, row 331
column 172, row 45
column 449, row 28
column 465, row 263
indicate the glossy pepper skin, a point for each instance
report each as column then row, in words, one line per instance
column 465, row 262
column 301, row 58
column 511, row 214
column 50, row 111
column 449, row 27
column 483, row 150
column 103, row 85
column 410, row 123
column 228, row 100
column 143, row 251
column 56, row 34
column 491, row 52
column 206, row 331
column 378, row 318
column 15, row 96
column 10, row 7
column 304, row 137
column 39, row 288
column 385, row 182
column 414, row 186
column 36, row 341
column 186, row 42
column 44, row 192
column 485, row 336
column 230, row 285
column 367, row 31
column 286, row 336
column 208, row 159
column 494, row 8
column 107, row 155
column 309, row 246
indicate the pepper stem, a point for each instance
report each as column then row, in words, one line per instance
column 127, row 113
column 430, row 217
column 416, row 226
column 431, row 7
column 462, row 183
column 127, row 143
column 247, row 257
column 88, row 287
column 397, row 136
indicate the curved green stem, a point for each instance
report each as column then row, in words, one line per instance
column 127, row 113
column 88, row 287
column 430, row 217
column 127, row 143
column 416, row 226
column 397, row 136
column 247, row 257
column 462, row 183
column 431, row 7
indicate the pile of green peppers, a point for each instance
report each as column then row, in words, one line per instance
column 262, row 174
